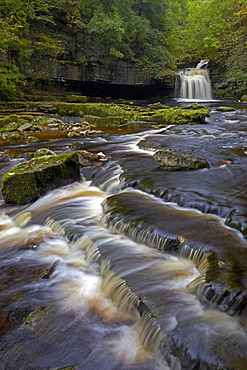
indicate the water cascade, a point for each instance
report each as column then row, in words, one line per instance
column 133, row 267
column 194, row 83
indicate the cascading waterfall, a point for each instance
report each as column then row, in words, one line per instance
column 194, row 83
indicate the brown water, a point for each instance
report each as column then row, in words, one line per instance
column 78, row 290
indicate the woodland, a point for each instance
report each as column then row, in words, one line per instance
column 156, row 36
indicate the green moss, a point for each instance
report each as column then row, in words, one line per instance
column 41, row 152
column 180, row 116
column 225, row 109
column 243, row 98
column 75, row 99
column 27, row 117
column 13, row 126
column 34, row 318
column 32, row 139
column 9, row 119
column 213, row 272
column 13, row 122
column 14, row 137
column 27, row 182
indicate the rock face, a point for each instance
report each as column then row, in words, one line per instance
column 27, row 182
column 171, row 159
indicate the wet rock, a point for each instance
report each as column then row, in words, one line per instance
column 15, row 137
column 157, row 105
column 55, row 121
column 34, row 318
column 27, row 182
column 63, row 368
column 32, row 139
column 221, row 85
column 105, row 121
column 73, row 134
column 3, row 318
column 43, row 151
column 171, row 159
column 4, row 158
column 225, row 109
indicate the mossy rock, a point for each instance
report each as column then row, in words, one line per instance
column 15, row 137
column 10, row 127
column 244, row 98
column 27, row 117
column 171, row 159
column 179, row 116
column 225, row 109
column 43, row 152
column 32, row 139
column 76, row 99
column 157, row 105
column 9, row 119
column 105, row 121
column 27, row 182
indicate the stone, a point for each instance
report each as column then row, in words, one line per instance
column 32, row 139
column 43, row 151
column 27, row 182
column 76, row 99
column 225, row 109
column 105, row 121
column 172, row 159
column 25, row 127
column 15, row 137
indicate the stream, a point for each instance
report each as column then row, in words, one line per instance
column 110, row 273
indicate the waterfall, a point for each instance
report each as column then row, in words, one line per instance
column 194, row 83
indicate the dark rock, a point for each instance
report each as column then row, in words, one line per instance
column 27, row 182
column 171, row 159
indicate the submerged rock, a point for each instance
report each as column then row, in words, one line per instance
column 171, row 159
column 27, row 182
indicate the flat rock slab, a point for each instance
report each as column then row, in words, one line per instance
column 27, row 182
column 187, row 233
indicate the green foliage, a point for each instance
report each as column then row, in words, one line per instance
column 107, row 28
column 156, row 35
column 11, row 82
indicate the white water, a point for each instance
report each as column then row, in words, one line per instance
column 195, row 85
column 76, row 288
column 87, row 325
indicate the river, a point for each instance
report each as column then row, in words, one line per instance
column 110, row 273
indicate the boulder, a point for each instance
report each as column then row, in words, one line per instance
column 27, row 182
column 225, row 109
column 172, row 159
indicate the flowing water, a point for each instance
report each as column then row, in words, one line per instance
column 113, row 272
column 194, row 84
